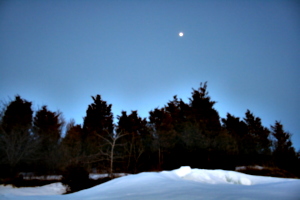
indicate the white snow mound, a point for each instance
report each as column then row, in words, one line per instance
column 180, row 184
column 51, row 189
column 217, row 177
column 222, row 177
column 183, row 171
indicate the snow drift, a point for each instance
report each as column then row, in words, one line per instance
column 182, row 184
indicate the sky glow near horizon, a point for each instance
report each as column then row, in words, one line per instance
column 60, row 53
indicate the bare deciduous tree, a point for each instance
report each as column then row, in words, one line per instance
column 109, row 152
column 17, row 147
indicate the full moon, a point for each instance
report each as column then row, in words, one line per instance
column 180, row 34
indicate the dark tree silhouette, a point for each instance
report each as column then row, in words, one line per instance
column 182, row 129
column 202, row 109
column 238, row 130
column 134, row 129
column 18, row 116
column 175, row 135
column 72, row 144
column 164, row 136
column 97, row 125
column 258, row 143
column 47, row 126
column 235, row 126
column 17, row 144
column 99, row 118
column 284, row 153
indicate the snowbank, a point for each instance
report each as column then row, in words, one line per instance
column 51, row 189
column 48, row 177
column 224, row 177
column 97, row 176
column 181, row 184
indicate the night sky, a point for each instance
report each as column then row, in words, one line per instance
column 60, row 53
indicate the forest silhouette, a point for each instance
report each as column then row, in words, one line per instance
column 178, row 134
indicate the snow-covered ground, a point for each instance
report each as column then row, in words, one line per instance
column 97, row 176
column 51, row 189
column 59, row 177
column 180, row 184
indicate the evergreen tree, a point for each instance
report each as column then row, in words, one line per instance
column 97, row 125
column 257, row 138
column 178, row 111
column 202, row 110
column 18, row 116
column 135, row 132
column 182, row 129
column 72, row 144
column 206, row 126
column 284, row 153
column 47, row 127
column 283, row 141
column 164, row 136
column 235, row 126
column 17, row 144
column 99, row 118
column 237, row 129
column 258, row 132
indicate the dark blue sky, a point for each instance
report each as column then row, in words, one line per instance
column 60, row 53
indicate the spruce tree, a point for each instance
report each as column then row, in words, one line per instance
column 257, row 139
column 99, row 118
column 284, row 153
column 97, row 128
column 17, row 144
column 135, row 131
column 72, row 144
column 202, row 109
column 47, row 128
column 237, row 129
column 164, row 135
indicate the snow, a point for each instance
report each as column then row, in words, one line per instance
column 180, row 184
column 47, row 177
column 94, row 176
column 51, row 189
column 257, row 167
column 97, row 176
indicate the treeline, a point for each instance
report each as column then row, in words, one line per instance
column 175, row 135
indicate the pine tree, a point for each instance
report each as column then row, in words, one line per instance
column 257, row 139
column 72, row 144
column 182, row 129
column 135, row 131
column 237, row 129
column 97, row 125
column 17, row 144
column 18, row 116
column 99, row 118
column 48, row 127
column 258, row 132
column 164, row 136
column 284, row 153
column 235, row 126
column 205, row 126
column 202, row 109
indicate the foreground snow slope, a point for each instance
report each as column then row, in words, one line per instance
column 182, row 184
